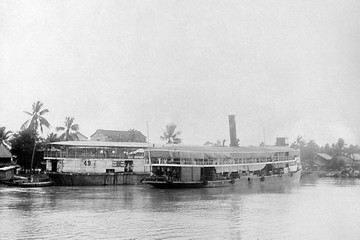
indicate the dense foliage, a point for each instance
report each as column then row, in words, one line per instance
column 338, row 151
column 22, row 145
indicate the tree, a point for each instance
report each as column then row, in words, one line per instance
column 310, row 150
column 339, row 147
column 4, row 135
column 307, row 150
column 299, row 143
column 170, row 135
column 22, row 145
column 36, row 122
column 327, row 149
column 133, row 136
column 336, row 163
column 70, row 130
column 52, row 137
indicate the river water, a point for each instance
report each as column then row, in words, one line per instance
column 312, row 209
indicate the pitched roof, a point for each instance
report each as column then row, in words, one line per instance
column 81, row 136
column 115, row 133
column 201, row 152
column 324, row 156
column 4, row 152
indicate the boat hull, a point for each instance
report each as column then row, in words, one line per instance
column 243, row 181
column 36, row 184
column 91, row 179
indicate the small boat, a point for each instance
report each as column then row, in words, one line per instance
column 25, row 182
column 42, row 183
column 15, row 181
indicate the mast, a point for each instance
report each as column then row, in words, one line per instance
column 147, row 132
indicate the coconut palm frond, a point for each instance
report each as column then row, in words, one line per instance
column 30, row 114
column 75, row 127
column 36, row 121
column 44, row 122
column 70, row 129
column 4, row 135
column 37, row 106
column 43, row 112
column 25, row 124
column 171, row 135
column 60, row 128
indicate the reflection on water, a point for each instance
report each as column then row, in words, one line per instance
column 313, row 209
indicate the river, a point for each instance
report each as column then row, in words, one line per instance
column 322, row 208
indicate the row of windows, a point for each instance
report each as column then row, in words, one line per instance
column 219, row 161
column 121, row 153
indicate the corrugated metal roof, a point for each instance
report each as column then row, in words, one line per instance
column 100, row 144
column 181, row 151
column 4, row 152
column 115, row 133
column 204, row 148
column 324, row 156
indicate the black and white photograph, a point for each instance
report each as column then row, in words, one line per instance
column 178, row 119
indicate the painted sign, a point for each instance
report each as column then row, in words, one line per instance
column 118, row 164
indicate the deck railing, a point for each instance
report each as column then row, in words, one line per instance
column 277, row 159
column 87, row 155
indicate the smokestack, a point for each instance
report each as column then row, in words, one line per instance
column 232, row 127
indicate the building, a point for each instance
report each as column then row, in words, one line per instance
column 5, row 156
column 7, row 166
column 118, row 136
column 322, row 162
column 80, row 136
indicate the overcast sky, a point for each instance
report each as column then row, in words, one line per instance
column 284, row 68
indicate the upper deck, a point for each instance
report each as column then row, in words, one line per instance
column 205, row 155
column 94, row 149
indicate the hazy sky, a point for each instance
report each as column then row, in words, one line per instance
column 284, row 68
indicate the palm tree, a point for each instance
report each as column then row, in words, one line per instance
column 171, row 135
column 70, row 130
column 36, row 118
column 4, row 135
column 52, row 137
column 36, row 122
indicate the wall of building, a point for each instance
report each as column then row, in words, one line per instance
column 98, row 137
